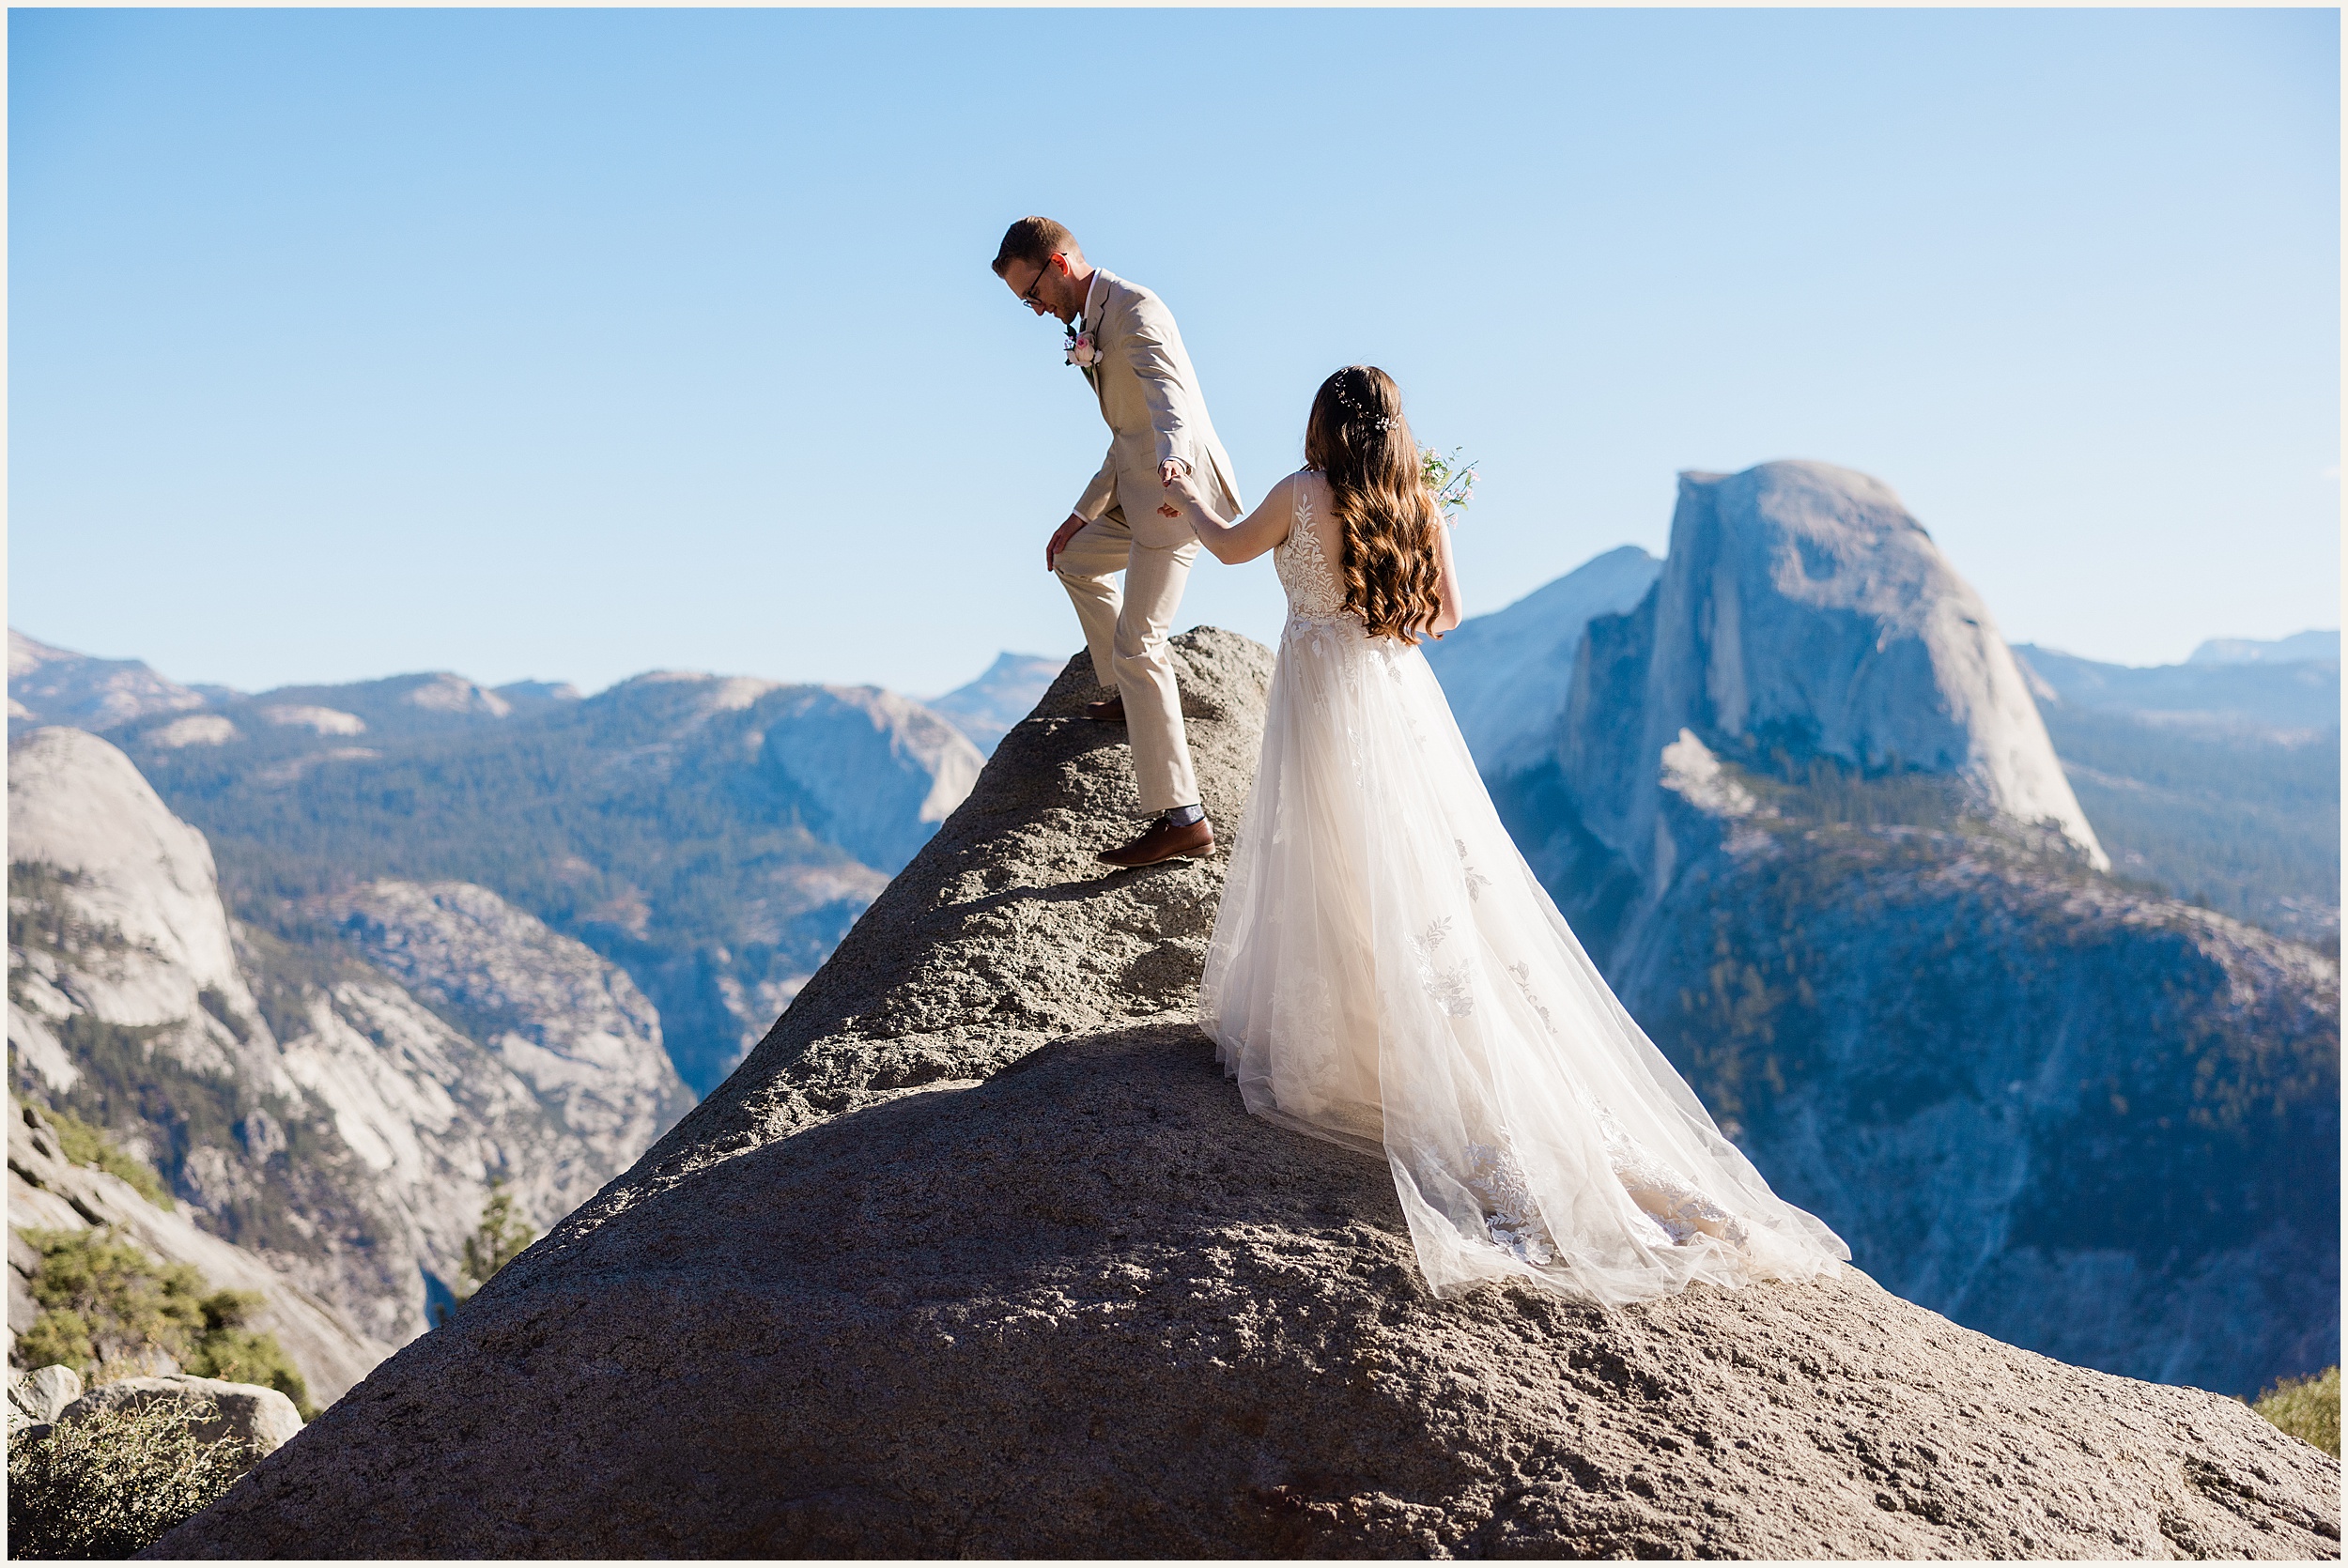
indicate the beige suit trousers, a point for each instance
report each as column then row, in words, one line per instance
column 1127, row 635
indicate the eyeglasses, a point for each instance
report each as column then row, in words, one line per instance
column 1027, row 296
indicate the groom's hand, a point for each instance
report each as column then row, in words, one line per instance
column 1186, row 487
column 1174, row 474
column 1060, row 536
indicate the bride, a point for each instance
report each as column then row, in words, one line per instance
column 1386, row 972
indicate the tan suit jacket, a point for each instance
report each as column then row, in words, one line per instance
column 1149, row 396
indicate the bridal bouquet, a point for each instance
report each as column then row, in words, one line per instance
column 1452, row 481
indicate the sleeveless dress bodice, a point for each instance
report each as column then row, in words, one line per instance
column 1315, row 593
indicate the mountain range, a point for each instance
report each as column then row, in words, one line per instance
column 711, row 836
column 336, row 959
column 1805, row 807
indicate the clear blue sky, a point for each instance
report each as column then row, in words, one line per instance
column 569, row 344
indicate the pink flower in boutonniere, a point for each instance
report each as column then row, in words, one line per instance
column 1082, row 352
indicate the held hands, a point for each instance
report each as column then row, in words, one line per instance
column 1175, row 478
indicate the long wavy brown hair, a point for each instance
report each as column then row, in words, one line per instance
column 1386, row 517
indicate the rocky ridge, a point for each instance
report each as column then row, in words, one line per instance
column 47, row 1191
column 978, row 1255
column 303, row 1102
column 52, row 686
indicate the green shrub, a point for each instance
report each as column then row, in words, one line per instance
column 84, row 1144
column 2307, row 1407
column 230, row 1348
column 501, row 1237
column 106, row 1485
column 112, row 1295
column 103, row 1299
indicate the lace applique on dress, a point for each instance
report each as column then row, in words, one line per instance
column 1511, row 1215
column 1314, row 592
column 1676, row 1209
column 1449, row 988
column 1477, row 881
column 1522, row 972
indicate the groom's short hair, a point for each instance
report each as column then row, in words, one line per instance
column 1035, row 241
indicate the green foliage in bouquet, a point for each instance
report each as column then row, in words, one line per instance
column 1452, row 482
column 106, row 1485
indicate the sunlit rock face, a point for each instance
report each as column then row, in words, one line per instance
column 318, row 1110
column 572, row 1026
column 1803, row 613
column 138, row 903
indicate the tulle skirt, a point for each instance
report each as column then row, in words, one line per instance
column 1386, row 973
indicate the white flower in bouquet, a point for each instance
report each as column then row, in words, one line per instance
column 1451, row 481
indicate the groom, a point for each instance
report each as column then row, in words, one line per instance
column 1124, row 339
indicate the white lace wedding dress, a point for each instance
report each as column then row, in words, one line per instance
column 1386, row 973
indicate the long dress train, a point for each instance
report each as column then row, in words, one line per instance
column 1386, row 973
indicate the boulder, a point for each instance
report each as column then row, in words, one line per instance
column 260, row 1419
column 979, row 1254
column 38, row 1396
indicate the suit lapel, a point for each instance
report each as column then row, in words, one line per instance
column 1088, row 320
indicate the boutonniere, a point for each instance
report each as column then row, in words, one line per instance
column 1082, row 350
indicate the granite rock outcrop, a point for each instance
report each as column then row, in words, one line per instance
column 48, row 1191
column 258, row 1420
column 979, row 1254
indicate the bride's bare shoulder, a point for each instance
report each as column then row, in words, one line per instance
column 1311, row 487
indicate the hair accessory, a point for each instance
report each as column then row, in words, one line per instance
column 1346, row 400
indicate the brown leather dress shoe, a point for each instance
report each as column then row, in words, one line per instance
column 1109, row 710
column 1164, row 841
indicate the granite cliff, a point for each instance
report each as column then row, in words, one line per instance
column 978, row 1255
column 1801, row 613
column 320, row 1110
column 1801, row 809
column 48, row 1191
